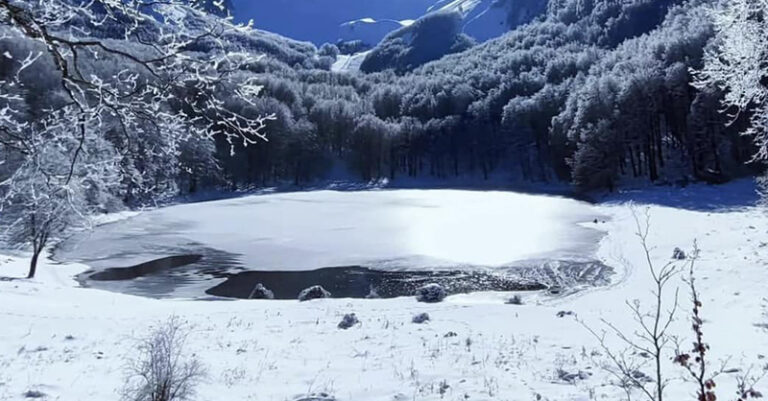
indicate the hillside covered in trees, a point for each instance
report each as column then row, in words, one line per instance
column 591, row 93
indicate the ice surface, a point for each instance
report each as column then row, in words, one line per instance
column 395, row 229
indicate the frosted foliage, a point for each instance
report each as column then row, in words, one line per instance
column 734, row 63
column 125, row 82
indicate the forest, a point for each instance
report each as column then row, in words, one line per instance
column 595, row 94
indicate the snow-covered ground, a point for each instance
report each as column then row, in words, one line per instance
column 72, row 343
column 349, row 62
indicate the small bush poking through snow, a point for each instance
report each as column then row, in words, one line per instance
column 34, row 394
column 430, row 293
column 348, row 321
column 161, row 370
column 515, row 300
column 317, row 397
column 313, row 292
column 421, row 318
column 261, row 292
column 569, row 377
column 678, row 254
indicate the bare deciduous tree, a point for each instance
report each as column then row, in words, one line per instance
column 649, row 342
column 695, row 361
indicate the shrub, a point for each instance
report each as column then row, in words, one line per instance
column 313, row 292
column 430, row 293
column 515, row 300
column 162, row 371
column 348, row 321
column 421, row 318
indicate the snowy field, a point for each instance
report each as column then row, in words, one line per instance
column 71, row 343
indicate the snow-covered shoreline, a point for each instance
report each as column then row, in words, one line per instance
column 277, row 350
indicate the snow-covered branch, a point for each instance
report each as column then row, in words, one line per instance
column 123, row 81
column 735, row 63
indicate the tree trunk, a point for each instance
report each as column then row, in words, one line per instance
column 33, row 263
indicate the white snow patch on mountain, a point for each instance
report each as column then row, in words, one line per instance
column 348, row 62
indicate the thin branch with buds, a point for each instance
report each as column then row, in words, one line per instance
column 651, row 339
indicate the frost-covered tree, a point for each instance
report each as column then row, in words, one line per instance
column 133, row 82
column 222, row 8
column 370, row 142
column 46, row 194
column 735, row 64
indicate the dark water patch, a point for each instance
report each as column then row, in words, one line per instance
column 143, row 269
column 186, row 274
column 192, row 275
column 362, row 282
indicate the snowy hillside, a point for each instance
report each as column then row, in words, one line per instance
column 329, row 21
column 487, row 19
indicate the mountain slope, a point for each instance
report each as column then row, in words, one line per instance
column 431, row 37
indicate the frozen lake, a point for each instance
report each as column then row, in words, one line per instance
column 384, row 230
